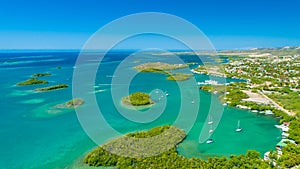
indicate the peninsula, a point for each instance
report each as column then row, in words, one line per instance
column 165, row 68
column 159, row 67
column 119, row 152
column 179, row 76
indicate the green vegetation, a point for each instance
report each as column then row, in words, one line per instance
column 159, row 67
column 152, row 132
column 289, row 158
column 234, row 95
column 169, row 158
column 153, row 70
column 179, row 76
column 201, row 69
column 294, row 130
column 137, row 99
column 55, row 87
column 32, row 81
column 41, row 74
column 165, row 68
column 276, row 73
column 267, row 69
column 211, row 69
column 215, row 88
column 289, row 101
column 74, row 103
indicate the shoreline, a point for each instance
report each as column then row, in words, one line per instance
column 131, row 107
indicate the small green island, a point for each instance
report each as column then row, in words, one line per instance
column 164, row 68
column 74, row 103
column 48, row 111
column 41, row 74
column 127, row 152
column 32, row 81
column 55, row 87
column 137, row 99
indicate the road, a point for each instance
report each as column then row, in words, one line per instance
column 277, row 105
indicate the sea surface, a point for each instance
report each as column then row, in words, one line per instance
column 34, row 134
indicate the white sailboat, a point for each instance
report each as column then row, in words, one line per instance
column 238, row 129
column 210, row 140
column 210, row 120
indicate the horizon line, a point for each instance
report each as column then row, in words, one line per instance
column 99, row 50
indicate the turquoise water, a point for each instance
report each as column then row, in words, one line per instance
column 35, row 135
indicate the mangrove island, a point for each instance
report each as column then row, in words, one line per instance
column 74, row 103
column 41, row 74
column 55, row 87
column 32, row 81
column 137, row 99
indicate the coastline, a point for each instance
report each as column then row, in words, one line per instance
column 60, row 76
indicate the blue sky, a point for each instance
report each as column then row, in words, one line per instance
column 58, row 24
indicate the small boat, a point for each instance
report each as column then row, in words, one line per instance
column 193, row 102
column 166, row 93
column 266, row 156
column 238, row 129
column 285, row 129
column 211, row 129
column 284, row 135
column 269, row 112
column 110, row 76
column 210, row 120
column 209, row 141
